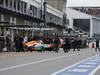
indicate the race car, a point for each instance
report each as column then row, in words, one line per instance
column 37, row 46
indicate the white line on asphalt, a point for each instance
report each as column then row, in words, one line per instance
column 55, row 73
column 93, row 72
column 36, row 62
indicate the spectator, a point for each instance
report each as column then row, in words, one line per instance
column 76, row 45
column 1, row 43
column 97, row 45
column 56, row 44
column 67, row 45
column 8, row 43
column 21, row 44
column 16, row 40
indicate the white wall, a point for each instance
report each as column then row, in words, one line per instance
column 96, row 26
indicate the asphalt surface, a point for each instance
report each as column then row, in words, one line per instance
column 98, row 72
column 42, row 63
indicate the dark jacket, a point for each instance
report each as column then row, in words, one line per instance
column 97, row 42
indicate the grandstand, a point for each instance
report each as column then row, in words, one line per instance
column 94, row 11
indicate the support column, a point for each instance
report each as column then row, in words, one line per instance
column 71, row 23
column 91, row 28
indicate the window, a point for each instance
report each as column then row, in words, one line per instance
column 2, row 18
column 1, row 2
column 18, row 6
column 41, row 14
column 6, row 3
column 28, row 22
column 31, row 10
column 6, row 18
column 31, row 7
column 10, row 2
column 35, row 11
column 11, row 20
column 22, row 6
column 25, row 22
column 25, row 6
column 14, row 4
column 82, row 24
column 15, row 21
